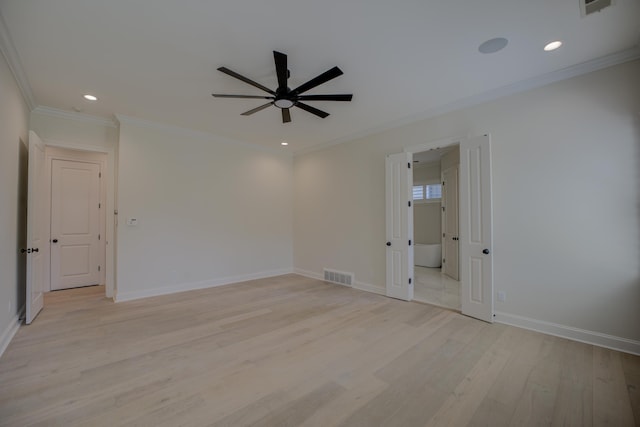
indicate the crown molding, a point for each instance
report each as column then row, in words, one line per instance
column 71, row 115
column 545, row 79
column 196, row 134
column 13, row 60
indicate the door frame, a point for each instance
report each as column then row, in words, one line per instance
column 106, row 158
column 443, row 143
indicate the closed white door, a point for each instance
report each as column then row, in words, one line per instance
column 75, row 224
column 476, row 259
column 36, row 249
column 399, row 226
column 450, row 223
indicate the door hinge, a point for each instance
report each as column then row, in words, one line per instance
column 409, row 165
column 443, row 209
column 409, row 203
column 99, row 205
column 98, row 268
column 443, row 235
column 409, row 280
column 443, row 260
column 99, row 174
column 442, row 182
column 409, row 242
column 98, row 237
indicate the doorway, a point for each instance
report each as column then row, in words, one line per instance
column 76, row 217
column 435, row 201
column 475, row 237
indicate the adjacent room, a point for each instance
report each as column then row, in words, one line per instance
column 319, row 213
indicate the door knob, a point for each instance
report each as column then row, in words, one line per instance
column 23, row 250
column 485, row 251
column 388, row 243
column 35, row 250
column 54, row 241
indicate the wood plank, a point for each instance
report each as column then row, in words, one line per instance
column 296, row 351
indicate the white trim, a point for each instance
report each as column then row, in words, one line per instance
column 191, row 286
column 79, row 147
column 490, row 95
column 8, row 50
column 177, row 130
column 361, row 286
column 71, row 115
column 10, row 331
column 309, row 274
column 435, row 145
column 569, row 332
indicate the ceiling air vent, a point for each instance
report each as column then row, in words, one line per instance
column 587, row 7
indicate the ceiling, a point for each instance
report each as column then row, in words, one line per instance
column 156, row 59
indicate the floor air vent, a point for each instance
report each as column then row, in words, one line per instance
column 591, row 6
column 339, row 277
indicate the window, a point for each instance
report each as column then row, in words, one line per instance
column 433, row 191
column 427, row 192
column 418, row 192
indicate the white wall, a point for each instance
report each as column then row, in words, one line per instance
column 78, row 131
column 14, row 117
column 566, row 185
column 208, row 212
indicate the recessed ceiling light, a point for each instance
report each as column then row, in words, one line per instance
column 493, row 45
column 284, row 143
column 553, row 45
column 90, row 97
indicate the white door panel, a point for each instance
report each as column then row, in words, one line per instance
column 36, row 241
column 399, row 225
column 75, row 224
column 476, row 263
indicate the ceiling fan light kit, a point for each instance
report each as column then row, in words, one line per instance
column 284, row 97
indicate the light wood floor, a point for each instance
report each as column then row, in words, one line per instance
column 292, row 351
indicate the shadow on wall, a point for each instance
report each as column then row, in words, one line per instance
column 21, row 226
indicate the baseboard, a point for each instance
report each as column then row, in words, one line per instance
column 10, row 331
column 192, row 286
column 575, row 334
column 309, row 274
column 369, row 288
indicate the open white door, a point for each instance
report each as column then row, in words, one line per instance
column 36, row 240
column 399, row 225
column 476, row 263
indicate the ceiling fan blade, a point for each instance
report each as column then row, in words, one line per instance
column 255, row 110
column 246, row 80
column 312, row 110
column 322, row 78
column 220, row 95
column 343, row 97
column 281, row 70
column 286, row 115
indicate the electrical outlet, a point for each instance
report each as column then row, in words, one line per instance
column 502, row 296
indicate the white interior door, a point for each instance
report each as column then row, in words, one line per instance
column 75, row 224
column 36, row 241
column 399, row 226
column 450, row 222
column 476, row 263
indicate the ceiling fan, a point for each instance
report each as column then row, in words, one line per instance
column 284, row 97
